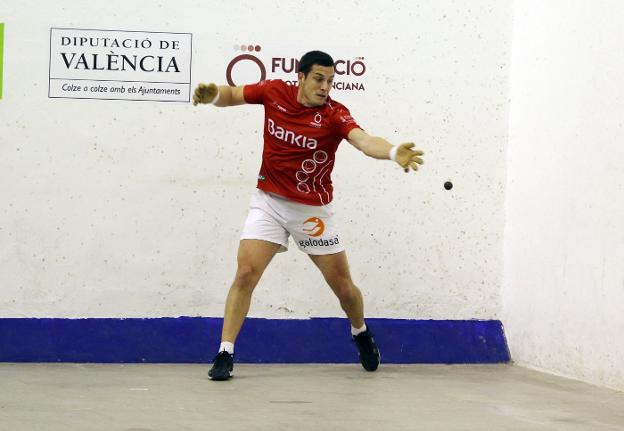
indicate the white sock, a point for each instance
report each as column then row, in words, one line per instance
column 226, row 346
column 356, row 331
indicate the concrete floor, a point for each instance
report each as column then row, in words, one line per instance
column 91, row 397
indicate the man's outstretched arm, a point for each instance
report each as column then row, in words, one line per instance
column 223, row 95
column 379, row 148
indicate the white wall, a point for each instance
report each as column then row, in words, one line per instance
column 563, row 295
column 131, row 209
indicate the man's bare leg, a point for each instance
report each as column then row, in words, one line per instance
column 335, row 269
column 253, row 258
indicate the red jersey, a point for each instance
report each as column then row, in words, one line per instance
column 299, row 142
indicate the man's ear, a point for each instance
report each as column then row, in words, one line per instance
column 300, row 77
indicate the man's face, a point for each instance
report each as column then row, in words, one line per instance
column 314, row 88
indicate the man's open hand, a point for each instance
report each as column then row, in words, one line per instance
column 408, row 158
column 205, row 93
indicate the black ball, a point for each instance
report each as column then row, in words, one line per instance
column 448, row 185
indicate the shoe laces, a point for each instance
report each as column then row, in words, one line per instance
column 223, row 356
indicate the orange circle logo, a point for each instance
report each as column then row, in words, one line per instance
column 314, row 226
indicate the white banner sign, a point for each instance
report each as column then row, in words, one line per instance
column 120, row 65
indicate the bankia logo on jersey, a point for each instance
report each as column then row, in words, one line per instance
column 251, row 62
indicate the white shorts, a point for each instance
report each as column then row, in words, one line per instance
column 273, row 218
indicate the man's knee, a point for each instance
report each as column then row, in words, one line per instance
column 345, row 289
column 247, row 276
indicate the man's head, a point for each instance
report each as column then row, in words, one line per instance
column 315, row 75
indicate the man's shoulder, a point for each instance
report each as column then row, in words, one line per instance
column 270, row 90
column 278, row 83
column 336, row 107
column 266, row 84
column 340, row 114
column 276, row 87
column 283, row 93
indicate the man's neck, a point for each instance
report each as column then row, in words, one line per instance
column 301, row 100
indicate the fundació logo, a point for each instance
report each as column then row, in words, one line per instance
column 287, row 65
column 245, row 57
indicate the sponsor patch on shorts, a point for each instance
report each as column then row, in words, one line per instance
column 319, row 242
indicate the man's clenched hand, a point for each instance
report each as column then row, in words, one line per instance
column 205, row 93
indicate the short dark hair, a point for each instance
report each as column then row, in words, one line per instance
column 311, row 58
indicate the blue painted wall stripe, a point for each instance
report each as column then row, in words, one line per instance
column 195, row 340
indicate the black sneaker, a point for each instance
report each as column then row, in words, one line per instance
column 222, row 366
column 367, row 350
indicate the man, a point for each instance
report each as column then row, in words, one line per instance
column 302, row 129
